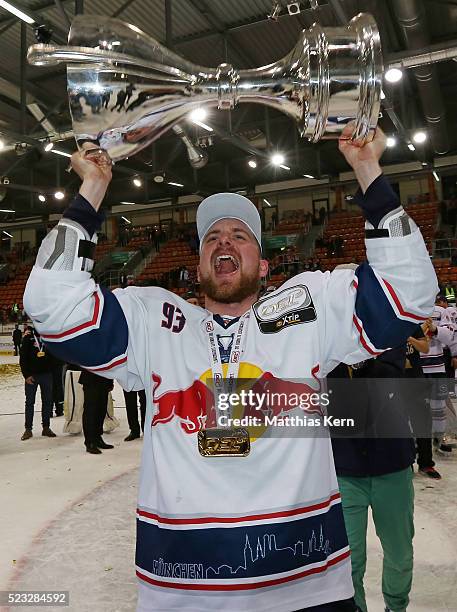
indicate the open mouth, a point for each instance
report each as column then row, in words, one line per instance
column 226, row 264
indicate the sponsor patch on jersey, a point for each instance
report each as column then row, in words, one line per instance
column 287, row 308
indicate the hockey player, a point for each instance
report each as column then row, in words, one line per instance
column 441, row 333
column 233, row 521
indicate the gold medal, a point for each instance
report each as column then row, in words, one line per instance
column 40, row 354
column 224, row 442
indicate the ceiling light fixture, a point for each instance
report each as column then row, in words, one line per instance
column 7, row 210
column 48, row 146
column 42, row 198
column 198, row 114
column 126, row 220
column 17, row 12
column 393, row 75
column 277, row 159
column 2, row 144
column 436, row 176
column 175, row 184
column 59, row 195
column 266, row 202
column 391, row 141
column 206, row 127
column 137, row 182
column 383, row 95
column 7, row 233
column 284, row 167
column 252, row 163
column 310, row 176
column 411, row 147
column 63, row 153
column 419, row 137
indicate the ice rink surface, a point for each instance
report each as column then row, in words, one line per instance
column 68, row 517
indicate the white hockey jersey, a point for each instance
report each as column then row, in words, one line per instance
column 258, row 533
column 433, row 362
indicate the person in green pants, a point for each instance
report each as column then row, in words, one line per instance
column 376, row 472
column 391, row 498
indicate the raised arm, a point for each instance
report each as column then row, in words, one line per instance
column 79, row 321
column 378, row 304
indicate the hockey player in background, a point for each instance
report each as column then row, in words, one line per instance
column 433, row 364
column 262, row 528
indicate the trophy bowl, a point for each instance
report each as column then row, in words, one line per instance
column 125, row 89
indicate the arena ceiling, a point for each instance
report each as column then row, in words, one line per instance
column 209, row 32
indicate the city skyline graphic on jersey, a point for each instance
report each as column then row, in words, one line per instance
column 265, row 552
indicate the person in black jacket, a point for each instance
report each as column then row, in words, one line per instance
column 420, row 415
column 96, row 390
column 375, row 471
column 17, row 338
column 36, row 366
column 58, row 394
column 132, row 412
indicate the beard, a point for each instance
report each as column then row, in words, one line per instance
column 247, row 286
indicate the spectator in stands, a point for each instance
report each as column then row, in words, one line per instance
column 123, row 236
column 322, row 214
column 274, row 219
column 183, row 276
column 132, row 412
column 17, row 337
column 36, row 367
column 96, row 390
column 156, row 240
column 14, row 311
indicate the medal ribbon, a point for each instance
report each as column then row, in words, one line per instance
column 227, row 385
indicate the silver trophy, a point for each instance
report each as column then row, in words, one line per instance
column 126, row 89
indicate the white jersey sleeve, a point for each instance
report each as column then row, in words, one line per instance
column 88, row 325
column 379, row 304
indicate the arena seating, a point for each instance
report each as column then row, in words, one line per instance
column 292, row 225
column 103, row 248
column 173, row 254
column 349, row 226
column 13, row 291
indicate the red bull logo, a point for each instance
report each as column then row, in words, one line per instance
column 189, row 405
column 194, row 406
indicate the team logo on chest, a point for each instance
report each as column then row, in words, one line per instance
column 289, row 307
